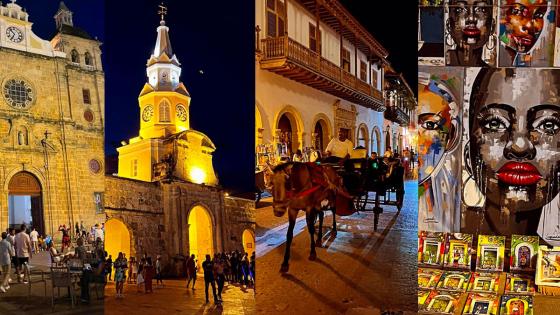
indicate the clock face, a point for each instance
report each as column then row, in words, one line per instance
column 18, row 93
column 181, row 112
column 148, row 113
column 164, row 77
column 14, row 34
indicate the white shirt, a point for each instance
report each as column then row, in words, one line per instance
column 34, row 236
column 22, row 244
column 98, row 233
column 6, row 252
column 340, row 148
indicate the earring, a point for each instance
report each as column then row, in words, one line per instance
column 492, row 38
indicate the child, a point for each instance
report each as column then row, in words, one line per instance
column 158, row 271
column 133, row 270
column 140, row 276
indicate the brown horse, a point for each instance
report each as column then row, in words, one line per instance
column 307, row 187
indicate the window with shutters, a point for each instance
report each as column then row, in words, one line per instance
column 374, row 78
column 314, row 38
column 86, row 96
column 363, row 71
column 275, row 18
column 346, row 59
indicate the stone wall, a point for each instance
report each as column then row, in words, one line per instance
column 240, row 216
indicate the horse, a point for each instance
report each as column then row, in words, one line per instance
column 308, row 187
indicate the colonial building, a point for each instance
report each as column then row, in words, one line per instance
column 51, row 123
column 317, row 71
column 165, row 199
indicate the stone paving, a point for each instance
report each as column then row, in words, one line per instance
column 175, row 298
column 359, row 272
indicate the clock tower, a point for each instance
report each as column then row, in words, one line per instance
column 166, row 148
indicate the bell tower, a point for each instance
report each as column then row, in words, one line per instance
column 63, row 16
column 164, row 101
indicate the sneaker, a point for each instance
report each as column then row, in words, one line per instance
column 7, row 287
column 2, row 289
column 25, row 282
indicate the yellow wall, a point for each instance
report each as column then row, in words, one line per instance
column 201, row 238
column 156, row 129
column 117, row 239
column 248, row 242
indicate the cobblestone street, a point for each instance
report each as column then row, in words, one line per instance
column 354, row 274
column 175, row 298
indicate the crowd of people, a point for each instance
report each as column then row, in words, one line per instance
column 232, row 267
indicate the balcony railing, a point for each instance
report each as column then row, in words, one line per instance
column 396, row 114
column 279, row 54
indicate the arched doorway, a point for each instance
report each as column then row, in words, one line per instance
column 25, row 202
column 363, row 137
column 201, row 234
column 248, row 242
column 117, row 239
column 376, row 141
column 288, row 135
column 321, row 135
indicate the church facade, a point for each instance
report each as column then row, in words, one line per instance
column 166, row 199
column 51, row 124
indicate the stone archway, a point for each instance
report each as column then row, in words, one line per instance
column 362, row 137
column 321, row 132
column 376, row 140
column 289, row 131
column 25, row 202
column 118, row 239
column 201, row 233
column 248, row 238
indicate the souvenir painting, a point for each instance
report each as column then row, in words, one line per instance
column 523, row 255
column 428, row 278
column 516, row 305
column 454, row 281
column 527, row 33
column 490, row 254
column 508, row 189
column 470, row 33
column 439, row 155
column 430, row 248
column 440, row 302
column 548, row 267
column 458, row 249
column 430, row 33
column 519, row 284
column 484, row 282
column 482, row 304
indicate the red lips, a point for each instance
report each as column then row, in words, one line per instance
column 471, row 31
column 525, row 40
column 519, row 174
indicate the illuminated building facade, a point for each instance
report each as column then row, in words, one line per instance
column 165, row 199
column 51, row 124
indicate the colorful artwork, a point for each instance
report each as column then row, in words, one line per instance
column 439, row 158
column 470, row 33
column 548, row 266
column 512, row 152
column 516, row 305
column 481, row 304
column 422, row 297
column 458, row 248
column 523, row 255
column 491, row 252
column 440, row 302
column 430, row 248
column 428, row 278
column 519, row 284
column 527, row 33
column 454, row 281
column 484, row 282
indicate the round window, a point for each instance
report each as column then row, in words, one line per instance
column 88, row 115
column 18, row 93
column 94, row 166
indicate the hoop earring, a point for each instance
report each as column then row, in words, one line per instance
column 492, row 38
column 448, row 39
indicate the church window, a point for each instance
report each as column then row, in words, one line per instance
column 134, row 168
column 75, row 56
column 275, row 18
column 87, row 59
column 164, row 115
column 86, row 96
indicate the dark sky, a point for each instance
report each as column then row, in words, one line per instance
column 217, row 39
column 394, row 24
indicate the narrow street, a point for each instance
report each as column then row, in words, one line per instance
column 356, row 273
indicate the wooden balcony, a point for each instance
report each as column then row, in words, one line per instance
column 396, row 114
column 286, row 57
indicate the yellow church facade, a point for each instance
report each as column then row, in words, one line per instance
column 51, row 124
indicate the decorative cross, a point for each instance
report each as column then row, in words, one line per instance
column 47, row 133
column 162, row 11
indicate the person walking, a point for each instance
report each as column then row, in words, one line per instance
column 209, row 279
column 148, row 275
column 34, row 240
column 245, row 269
column 140, row 276
column 120, row 275
column 220, row 277
column 6, row 253
column 159, row 278
column 191, row 271
column 23, row 252
column 109, row 266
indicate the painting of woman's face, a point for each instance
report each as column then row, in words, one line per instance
column 515, row 137
column 435, row 106
column 524, row 21
column 470, row 22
